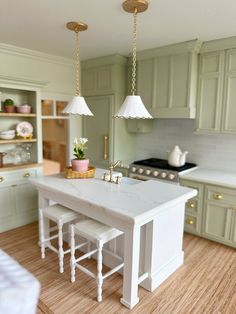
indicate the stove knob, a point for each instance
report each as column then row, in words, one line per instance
column 148, row 172
column 140, row 170
column 133, row 169
column 171, row 176
column 155, row 173
column 163, row 175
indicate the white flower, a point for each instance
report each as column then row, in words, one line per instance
column 83, row 140
column 75, row 141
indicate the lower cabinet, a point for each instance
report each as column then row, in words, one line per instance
column 219, row 214
column 212, row 213
column 18, row 198
column 193, row 208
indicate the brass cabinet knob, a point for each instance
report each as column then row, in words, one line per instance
column 26, row 175
column 191, row 204
column 189, row 221
column 1, row 179
column 218, row 196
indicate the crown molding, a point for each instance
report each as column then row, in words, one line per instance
column 26, row 81
column 35, row 55
column 219, row 44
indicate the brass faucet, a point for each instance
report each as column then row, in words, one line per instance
column 111, row 167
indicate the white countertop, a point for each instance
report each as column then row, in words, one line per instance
column 211, row 176
column 132, row 200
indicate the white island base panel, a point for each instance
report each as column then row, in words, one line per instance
column 161, row 253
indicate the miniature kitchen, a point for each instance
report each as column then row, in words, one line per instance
column 118, row 161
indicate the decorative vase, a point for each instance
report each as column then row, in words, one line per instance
column 80, row 165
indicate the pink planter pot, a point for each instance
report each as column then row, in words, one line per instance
column 80, row 165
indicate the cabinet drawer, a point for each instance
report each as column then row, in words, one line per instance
column 191, row 224
column 15, row 176
column 193, row 185
column 221, row 195
column 192, row 205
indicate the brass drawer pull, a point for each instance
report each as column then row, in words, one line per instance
column 26, row 175
column 1, row 179
column 189, row 221
column 191, row 204
column 218, row 196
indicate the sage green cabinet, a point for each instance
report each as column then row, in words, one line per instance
column 104, row 82
column 99, row 129
column 219, row 214
column 18, row 198
column 167, row 80
column 194, row 208
column 217, row 92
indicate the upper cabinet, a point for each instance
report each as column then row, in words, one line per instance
column 216, row 108
column 167, row 80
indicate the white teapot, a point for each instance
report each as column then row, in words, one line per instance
column 176, row 157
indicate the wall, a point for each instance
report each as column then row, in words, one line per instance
column 211, row 151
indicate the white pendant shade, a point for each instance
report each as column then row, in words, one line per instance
column 133, row 108
column 78, row 106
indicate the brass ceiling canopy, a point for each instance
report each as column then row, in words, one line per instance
column 77, row 26
column 131, row 6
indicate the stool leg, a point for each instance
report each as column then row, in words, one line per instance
column 99, row 274
column 89, row 249
column 41, row 233
column 72, row 252
column 60, row 244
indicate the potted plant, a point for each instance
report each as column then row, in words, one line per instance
column 9, row 105
column 80, row 163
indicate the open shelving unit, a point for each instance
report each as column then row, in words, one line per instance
column 17, row 115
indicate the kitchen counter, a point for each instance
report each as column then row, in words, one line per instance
column 211, row 176
column 156, row 206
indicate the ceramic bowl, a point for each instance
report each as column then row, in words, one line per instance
column 7, row 136
column 23, row 109
column 9, row 132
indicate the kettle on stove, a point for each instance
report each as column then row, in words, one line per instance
column 176, row 157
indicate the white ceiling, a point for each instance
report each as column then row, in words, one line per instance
column 40, row 24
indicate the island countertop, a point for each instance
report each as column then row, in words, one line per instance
column 133, row 201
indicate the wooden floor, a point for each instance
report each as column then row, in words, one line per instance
column 205, row 284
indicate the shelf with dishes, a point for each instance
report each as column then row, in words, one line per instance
column 18, row 140
column 11, row 166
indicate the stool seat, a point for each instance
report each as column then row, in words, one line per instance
column 96, row 231
column 58, row 212
column 60, row 215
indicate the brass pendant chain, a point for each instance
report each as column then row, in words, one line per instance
column 77, row 65
column 134, row 57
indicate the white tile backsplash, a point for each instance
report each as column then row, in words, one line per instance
column 216, row 151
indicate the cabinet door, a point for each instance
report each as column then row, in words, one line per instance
column 210, row 91
column 217, row 222
column 229, row 108
column 26, row 198
column 6, row 202
column 145, row 82
column 97, row 127
column 233, row 227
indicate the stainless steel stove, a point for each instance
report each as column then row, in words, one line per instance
column 158, row 169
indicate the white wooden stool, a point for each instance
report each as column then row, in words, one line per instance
column 99, row 234
column 60, row 215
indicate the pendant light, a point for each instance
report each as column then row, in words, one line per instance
column 77, row 105
column 133, row 107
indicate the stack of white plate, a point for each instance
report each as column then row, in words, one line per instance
column 7, row 135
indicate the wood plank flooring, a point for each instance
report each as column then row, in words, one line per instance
column 205, row 284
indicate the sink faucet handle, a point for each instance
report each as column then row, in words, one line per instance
column 115, row 164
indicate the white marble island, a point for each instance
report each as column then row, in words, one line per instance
column 156, row 207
